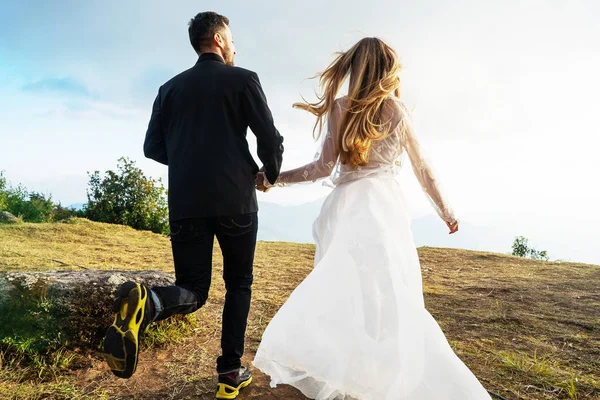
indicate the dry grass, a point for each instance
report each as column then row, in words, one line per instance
column 81, row 244
column 529, row 330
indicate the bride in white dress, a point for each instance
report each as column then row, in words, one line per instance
column 357, row 327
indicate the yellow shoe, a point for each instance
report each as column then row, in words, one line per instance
column 230, row 384
column 122, row 339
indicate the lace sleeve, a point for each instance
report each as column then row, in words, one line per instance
column 423, row 170
column 325, row 160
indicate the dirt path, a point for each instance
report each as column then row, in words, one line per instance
column 184, row 371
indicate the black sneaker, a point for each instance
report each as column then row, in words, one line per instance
column 122, row 340
column 231, row 383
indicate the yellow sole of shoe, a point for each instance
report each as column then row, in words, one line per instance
column 124, row 333
column 229, row 392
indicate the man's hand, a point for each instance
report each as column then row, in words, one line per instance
column 259, row 182
column 453, row 227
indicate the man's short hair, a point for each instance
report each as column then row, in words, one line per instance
column 202, row 29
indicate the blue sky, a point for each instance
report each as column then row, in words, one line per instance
column 505, row 95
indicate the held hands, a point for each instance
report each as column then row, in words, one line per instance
column 259, row 182
column 453, row 227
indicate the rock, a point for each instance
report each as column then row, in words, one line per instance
column 63, row 308
column 7, row 218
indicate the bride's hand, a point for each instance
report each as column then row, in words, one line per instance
column 453, row 227
column 259, row 182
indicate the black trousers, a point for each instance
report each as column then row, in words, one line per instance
column 192, row 242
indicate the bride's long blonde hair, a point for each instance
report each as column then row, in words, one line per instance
column 373, row 67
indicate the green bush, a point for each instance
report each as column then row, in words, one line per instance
column 29, row 206
column 32, row 207
column 3, row 185
column 127, row 197
column 521, row 248
column 61, row 213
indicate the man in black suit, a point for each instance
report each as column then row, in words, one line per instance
column 198, row 128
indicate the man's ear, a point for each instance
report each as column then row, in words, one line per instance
column 219, row 39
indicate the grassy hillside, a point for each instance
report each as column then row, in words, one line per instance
column 527, row 329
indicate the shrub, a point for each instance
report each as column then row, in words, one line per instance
column 29, row 206
column 3, row 185
column 61, row 213
column 521, row 248
column 127, row 197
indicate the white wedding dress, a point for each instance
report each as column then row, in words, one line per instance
column 356, row 327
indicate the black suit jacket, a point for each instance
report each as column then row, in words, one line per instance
column 198, row 128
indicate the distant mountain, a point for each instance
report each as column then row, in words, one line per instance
column 288, row 223
column 294, row 224
column 77, row 206
column 432, row 231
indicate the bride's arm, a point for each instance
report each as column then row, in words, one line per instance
column 325, row 161
column 424, row 172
